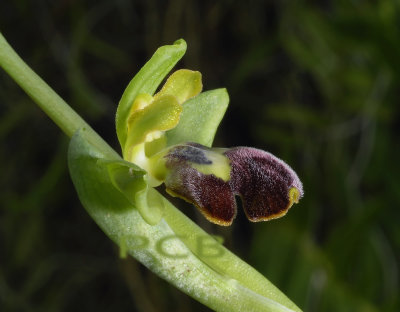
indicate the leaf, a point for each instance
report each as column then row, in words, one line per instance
column 147, row 80
column 200, row 118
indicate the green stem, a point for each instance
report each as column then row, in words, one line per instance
column 45, row 97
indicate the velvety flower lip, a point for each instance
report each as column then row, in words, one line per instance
column 267, row 186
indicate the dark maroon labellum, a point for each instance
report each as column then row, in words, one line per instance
column 267, row 186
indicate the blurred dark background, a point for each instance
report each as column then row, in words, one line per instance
column 314, row 82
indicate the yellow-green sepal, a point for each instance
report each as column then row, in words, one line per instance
column 200, row 118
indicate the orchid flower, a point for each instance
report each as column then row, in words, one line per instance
column 207, row 177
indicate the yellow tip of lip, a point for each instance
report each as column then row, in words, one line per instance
column 294, row 195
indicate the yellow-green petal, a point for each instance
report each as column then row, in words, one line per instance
column 140, row 102
column 146, row 124
column 183, row 84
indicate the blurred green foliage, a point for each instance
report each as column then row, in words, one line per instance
column 314, row 82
